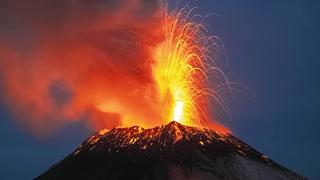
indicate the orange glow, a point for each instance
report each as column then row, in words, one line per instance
column 129, row 71
column 180, row 72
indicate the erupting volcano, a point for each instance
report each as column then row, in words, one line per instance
column 174, row 151
column 138, row 67
column 171, row 151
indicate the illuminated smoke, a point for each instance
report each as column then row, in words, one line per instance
column 65, row 60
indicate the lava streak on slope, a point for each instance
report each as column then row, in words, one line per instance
column 162, row 152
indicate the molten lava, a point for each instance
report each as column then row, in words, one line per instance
column 182, row 67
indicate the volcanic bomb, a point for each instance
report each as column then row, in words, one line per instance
column 173, row 151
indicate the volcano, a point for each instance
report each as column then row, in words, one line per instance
column 173, row 151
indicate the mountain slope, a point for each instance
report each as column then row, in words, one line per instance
column 172, row 151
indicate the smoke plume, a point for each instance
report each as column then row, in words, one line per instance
column 66, row 60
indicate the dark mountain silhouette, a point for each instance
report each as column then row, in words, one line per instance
column 172, row 151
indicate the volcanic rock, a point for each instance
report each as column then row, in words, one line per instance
column 172, row 151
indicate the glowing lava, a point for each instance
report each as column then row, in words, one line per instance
column 178, row 111
column 182, row 62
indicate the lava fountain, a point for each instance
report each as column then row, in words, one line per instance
column 182, row 67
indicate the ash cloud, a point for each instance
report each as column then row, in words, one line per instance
column 65, row 60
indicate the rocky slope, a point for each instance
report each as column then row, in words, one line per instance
column 172, row 151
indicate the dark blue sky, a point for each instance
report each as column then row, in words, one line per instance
column 272, row 48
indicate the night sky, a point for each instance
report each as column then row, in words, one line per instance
column 272, row 48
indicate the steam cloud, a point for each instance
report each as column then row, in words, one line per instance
column 66, row 60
